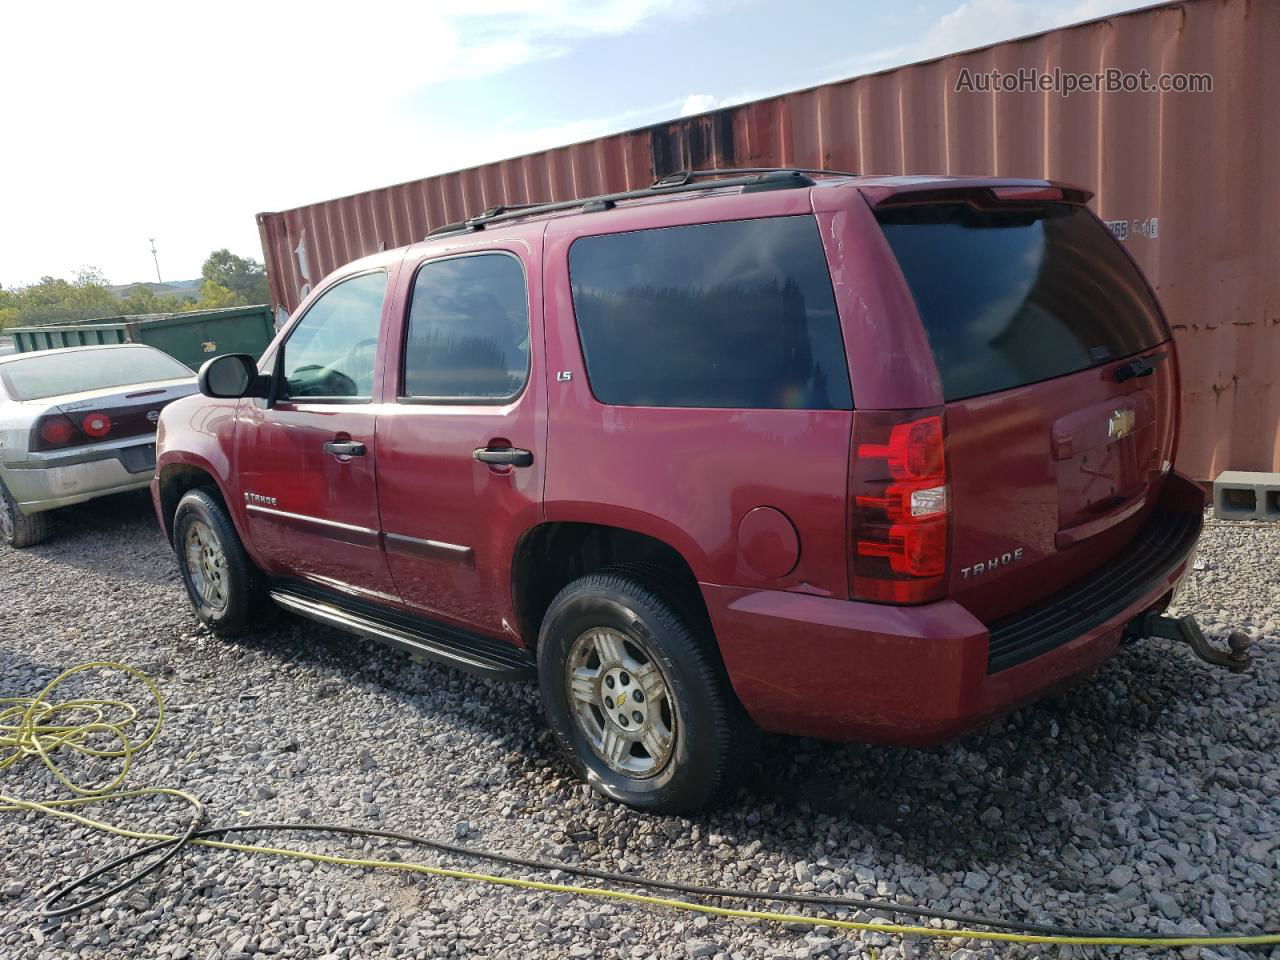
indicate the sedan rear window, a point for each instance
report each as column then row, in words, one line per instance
column 737, row 314
column 1010, row 298
column 44, row 375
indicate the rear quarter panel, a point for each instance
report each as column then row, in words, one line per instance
column 688, row 476
column 890, row 364
column 16, row 420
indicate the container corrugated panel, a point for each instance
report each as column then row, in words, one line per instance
column 191, row 337
column 28, row 339
column 1190, row 174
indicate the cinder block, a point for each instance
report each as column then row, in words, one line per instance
column 1246, row 495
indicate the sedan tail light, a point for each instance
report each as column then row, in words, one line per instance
column 900, row 507
column 54, row 431
column 57, row 430
column 96, row 425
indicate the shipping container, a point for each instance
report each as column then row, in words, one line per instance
column 1186, row 179
column 192, row 337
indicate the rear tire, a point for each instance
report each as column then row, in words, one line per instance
column 636, row 695
column 17, row 529
column 226, row 590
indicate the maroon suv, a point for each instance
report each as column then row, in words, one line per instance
column 866, row 458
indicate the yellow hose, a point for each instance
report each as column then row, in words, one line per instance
column 26, row 730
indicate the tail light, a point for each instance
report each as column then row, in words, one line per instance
column 900, row 511
column 57, row 430
column 54, row 431
column 96, row 425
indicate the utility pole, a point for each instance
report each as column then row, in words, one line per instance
column 155, row 258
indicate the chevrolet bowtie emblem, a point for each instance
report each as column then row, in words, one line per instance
column 1121, row 424
column 622, row 698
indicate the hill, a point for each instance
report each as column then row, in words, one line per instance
column 183, row 289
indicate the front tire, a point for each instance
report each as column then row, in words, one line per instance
column 17, row 529
column 225, row 588
column 636, row 696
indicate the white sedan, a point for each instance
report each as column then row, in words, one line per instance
column 76, row 424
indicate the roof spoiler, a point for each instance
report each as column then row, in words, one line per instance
column 979, row 194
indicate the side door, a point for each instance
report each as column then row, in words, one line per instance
column 306, row 460
column 461, row 446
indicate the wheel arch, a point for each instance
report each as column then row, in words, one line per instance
column 175, row 480
column 554, row 553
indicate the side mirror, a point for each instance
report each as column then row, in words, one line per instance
column 232, row 376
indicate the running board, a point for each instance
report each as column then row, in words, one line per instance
column 473, row 653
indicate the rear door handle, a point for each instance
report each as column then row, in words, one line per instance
column 505, row 456
column 344, row 448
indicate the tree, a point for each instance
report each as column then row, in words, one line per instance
column 244, row 277
column 229, row 281
column 214, row 295
column 141, row 299
column 54, row 300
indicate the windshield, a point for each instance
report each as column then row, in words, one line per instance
column 44, row 375
column 1010, row 298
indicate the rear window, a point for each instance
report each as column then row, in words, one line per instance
column 1014, row 297
column 738, row 314
column 44, row 375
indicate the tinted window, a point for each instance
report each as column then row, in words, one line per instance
column 330, row 352
column 737, row 314
column 57, row 374
column 1010, row 298
column 468, row 329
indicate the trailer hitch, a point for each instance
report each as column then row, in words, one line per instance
column 1185, row 629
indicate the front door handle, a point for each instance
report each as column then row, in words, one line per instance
column 344, row 448
column 504, row 456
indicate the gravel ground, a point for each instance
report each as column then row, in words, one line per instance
column 1147, row 798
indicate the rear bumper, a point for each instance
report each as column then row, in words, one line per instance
column 47, row 482
column 876, row 673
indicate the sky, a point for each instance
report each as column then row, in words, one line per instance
column 128, row 120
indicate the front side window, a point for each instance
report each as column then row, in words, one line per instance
column 737, row 314
column 330, row 353
column 468, row 333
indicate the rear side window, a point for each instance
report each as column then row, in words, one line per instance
column 1010, row 298
column 736, row 314
column 468, row 330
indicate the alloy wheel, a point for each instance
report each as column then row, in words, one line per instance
column 207, row 565
column 6, row 518
column 621, row 701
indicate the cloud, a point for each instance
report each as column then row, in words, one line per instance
column 978, row 23
column 698, row 103
column 181, row 121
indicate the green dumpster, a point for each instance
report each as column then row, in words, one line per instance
column 191, row 337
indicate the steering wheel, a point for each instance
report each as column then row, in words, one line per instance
column 350, row 355
column 349, row 363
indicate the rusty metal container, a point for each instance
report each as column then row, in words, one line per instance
column 1187, row 178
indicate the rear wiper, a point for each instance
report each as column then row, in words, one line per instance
column 1138, row 367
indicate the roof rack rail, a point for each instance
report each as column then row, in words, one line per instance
column 751, row 179
column 680, row 177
